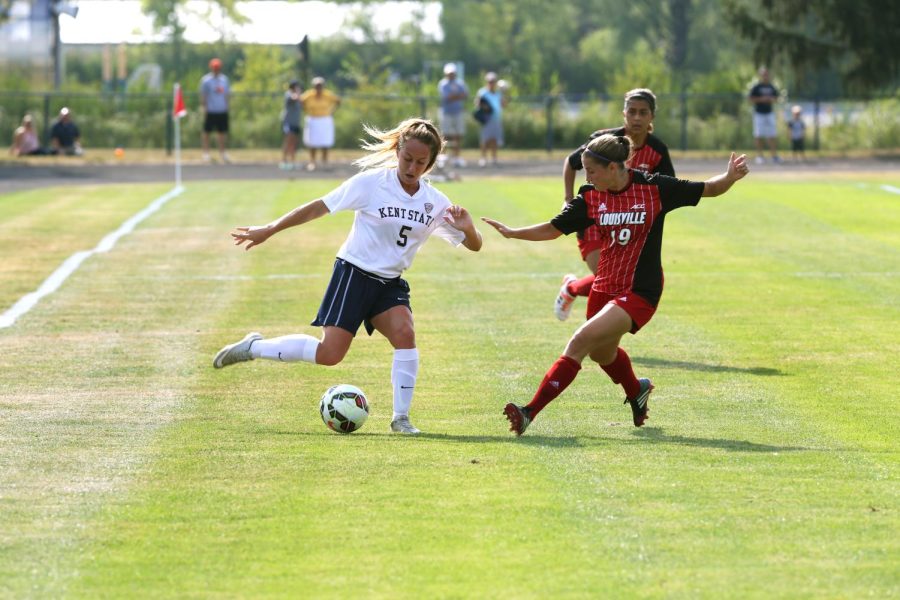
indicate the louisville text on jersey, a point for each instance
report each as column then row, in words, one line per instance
column 622, row 218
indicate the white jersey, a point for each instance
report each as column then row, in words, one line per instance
column 390, row 225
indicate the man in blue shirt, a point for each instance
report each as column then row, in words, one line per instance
column 452, row 115
column 215, row 94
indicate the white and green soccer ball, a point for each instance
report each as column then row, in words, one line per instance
column 344, row 408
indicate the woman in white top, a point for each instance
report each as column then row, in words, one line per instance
column 396, row 211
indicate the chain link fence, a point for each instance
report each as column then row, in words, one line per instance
column 713, row 122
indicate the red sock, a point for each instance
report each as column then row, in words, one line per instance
column 557, row 379
column 581, row 287
column 620, row 372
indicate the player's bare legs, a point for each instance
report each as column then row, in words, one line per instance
column 334, row 345
column 599, row 336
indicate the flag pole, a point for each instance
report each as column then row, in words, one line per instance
column 178, row 111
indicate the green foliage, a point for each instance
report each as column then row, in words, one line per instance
column 856, row 38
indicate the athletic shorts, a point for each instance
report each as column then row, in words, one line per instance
column 637, row 308
column 798, row 145
column 453, row 125
column 287, row 128
column 216, row 122
column 588, row 246
column 764, row 125
column 355, row 297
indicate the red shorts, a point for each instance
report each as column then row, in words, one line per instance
column 637, row 308
column 588, row 246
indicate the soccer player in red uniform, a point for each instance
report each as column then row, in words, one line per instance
column 629, row 207
column 650, row 154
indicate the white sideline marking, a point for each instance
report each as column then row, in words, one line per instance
column 69, row 266
column 891, row 189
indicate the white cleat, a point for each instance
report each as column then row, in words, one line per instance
column 564, row 300
column 236, row 352
column 402, row 425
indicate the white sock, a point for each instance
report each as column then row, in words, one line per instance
column 287, row 348
column 403, row 378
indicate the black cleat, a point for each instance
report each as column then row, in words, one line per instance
column 639, row 408
column 519, row 418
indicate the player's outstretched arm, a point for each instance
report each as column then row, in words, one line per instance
column 535, row 233
column 257, row 234
column 718, row 185
column 459, row 218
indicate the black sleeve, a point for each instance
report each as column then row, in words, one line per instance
column 675, row 193
column 574, row 217
column 665, row 166
column 575, row 159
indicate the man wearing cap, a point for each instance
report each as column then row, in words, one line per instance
column 319, row 105
column 453, row 95
column 65, row 138
column 215, row 94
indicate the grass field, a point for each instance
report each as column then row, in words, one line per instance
column 130, row 468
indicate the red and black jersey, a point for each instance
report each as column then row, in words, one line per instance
column 652, row 157
column 632, row 220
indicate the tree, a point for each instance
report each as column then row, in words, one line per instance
column 166, row 19
column 858, row 38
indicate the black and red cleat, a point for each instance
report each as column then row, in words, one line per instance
column 639, row 408
column 518, row 417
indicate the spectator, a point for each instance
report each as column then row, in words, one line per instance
column 25, row 139
column 452, row 114
column 319, row 105
column 797, row 129
column 215, row 97
column 491, row 100
column 290, row 124
column 763, row 96
column 65, row 138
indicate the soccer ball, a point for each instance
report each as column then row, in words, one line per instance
column 344, row 408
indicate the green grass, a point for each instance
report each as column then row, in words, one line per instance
column 768, row 469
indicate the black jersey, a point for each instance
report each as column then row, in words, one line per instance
column 652, row 157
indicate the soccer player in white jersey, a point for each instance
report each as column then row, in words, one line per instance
column 396, row 211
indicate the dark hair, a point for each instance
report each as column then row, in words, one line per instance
column 608, row 148
column 642, row 94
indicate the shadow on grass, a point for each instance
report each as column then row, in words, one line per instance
column 695, row 366
column 658, row 435
column 528, row 440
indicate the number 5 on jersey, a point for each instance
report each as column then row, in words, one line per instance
column 402, row 241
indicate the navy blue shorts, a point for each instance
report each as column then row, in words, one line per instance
column 287, row 128
column 355, row 297
column 216, row 122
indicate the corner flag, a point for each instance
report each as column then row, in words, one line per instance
column 178, row 108
column 178, row 111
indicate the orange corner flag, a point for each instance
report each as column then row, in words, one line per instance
column 178, row 108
